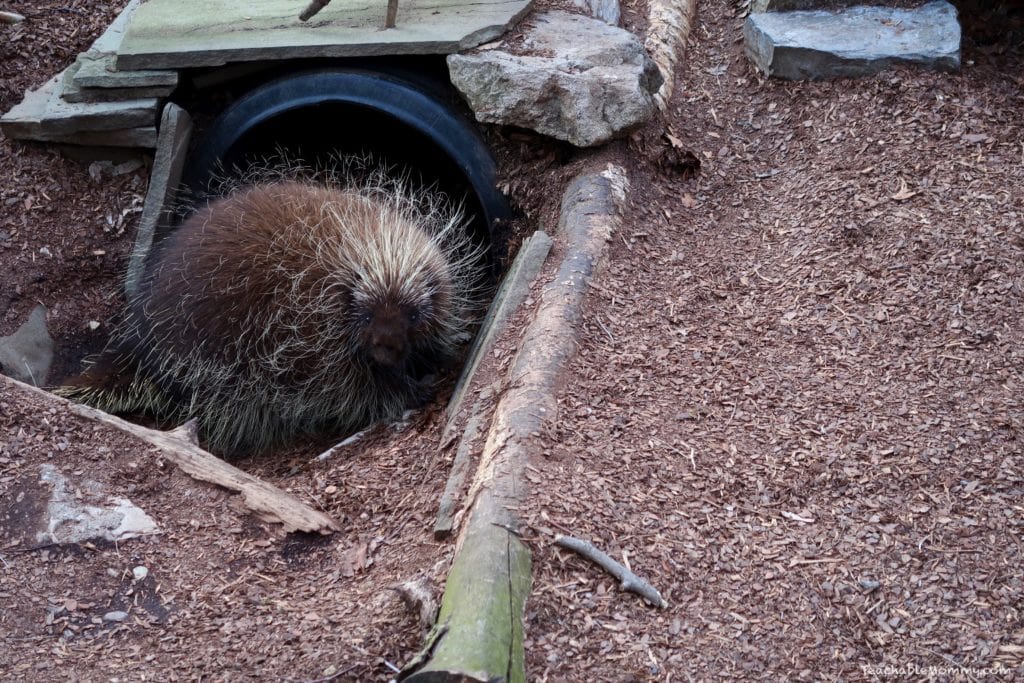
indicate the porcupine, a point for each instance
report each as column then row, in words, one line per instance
column 290, row 307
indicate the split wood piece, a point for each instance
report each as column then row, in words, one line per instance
column 420, row 595
column 10, row 18
column 514, row 288
column 479, row 631
column 668, row 28
column 628, row 581
column 267, row 502
column 460, row 470
column 172, row 144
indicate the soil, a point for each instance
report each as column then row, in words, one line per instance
column 796, row 409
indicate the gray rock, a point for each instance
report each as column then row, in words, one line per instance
column 95, row 67
column 168, row 165
column 26, row 355
column 854, row 42
column 115, row 616
column 588, row 90
column 43, row 114
column 787, row 5
column 607, row 11
column 69, row 518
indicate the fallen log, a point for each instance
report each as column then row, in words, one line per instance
column 479, row 630
column 264, row 500
column 668, row 28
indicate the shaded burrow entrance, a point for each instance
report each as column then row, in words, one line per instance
column 408, row 119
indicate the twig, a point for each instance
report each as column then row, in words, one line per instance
column 312, row 8
column 628, row 580
column 347, row 441
column 336, row 674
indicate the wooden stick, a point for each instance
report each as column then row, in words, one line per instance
column 628, row 580
column 267, row 502
column 312, row 8
column 389, row 19
column 10, row 17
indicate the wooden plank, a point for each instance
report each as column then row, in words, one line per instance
column 174, row 34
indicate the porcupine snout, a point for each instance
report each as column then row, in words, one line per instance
column 387, row 335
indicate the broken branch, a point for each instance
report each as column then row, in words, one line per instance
column 628, row 581
column 312, row 8
column 264, row 500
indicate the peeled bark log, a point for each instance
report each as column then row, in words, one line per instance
column 479, row 632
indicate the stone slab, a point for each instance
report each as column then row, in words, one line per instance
column 96, row 65
column 73, row 92
column 164, row 179
column 790, row 5
column 136, row 138
column 854, row 42
column 26, row 355
column 174, row 34
column 43, row 114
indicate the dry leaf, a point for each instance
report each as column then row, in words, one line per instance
column 904, row 193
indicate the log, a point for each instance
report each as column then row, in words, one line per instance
column 668, row 28
column 266, row 501
column 479, row 630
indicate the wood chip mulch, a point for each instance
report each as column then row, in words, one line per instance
column 796, row 410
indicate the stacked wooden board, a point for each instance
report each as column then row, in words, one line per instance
column 112, row 94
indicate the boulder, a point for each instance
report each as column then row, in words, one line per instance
column 26, row 355
column 573, row 78
column 853, row 42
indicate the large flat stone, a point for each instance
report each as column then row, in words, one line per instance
column 853, row 42
column 96, row 67
column 73, row 92
column 172, row 34
column 43, row 114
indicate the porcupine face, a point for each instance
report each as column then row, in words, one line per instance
column 404, row 320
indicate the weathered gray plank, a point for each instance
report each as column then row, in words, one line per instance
column 171, row 34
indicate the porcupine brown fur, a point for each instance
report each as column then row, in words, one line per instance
column 290, row 307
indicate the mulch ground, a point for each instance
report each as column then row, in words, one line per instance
column 796, row 410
